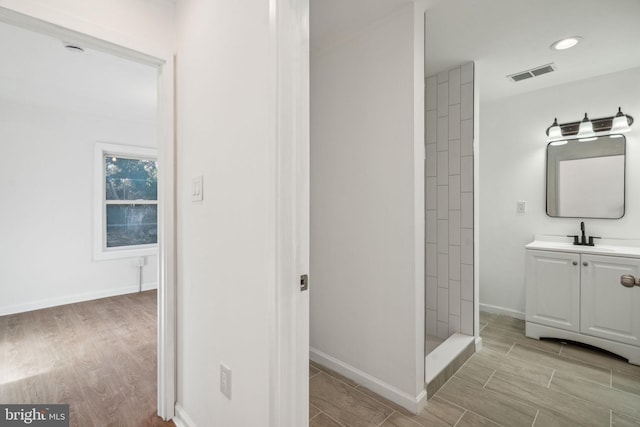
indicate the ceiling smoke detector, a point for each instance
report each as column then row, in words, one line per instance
column 534, row 72
column 73, row 48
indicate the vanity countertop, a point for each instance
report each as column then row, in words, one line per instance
column 612, row 247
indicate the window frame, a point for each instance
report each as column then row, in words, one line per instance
column 100, row 249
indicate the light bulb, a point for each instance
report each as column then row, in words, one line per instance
column 585, row 131
column 620, row 123
column 555, row 132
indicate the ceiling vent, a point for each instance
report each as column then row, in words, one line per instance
column 534, row 72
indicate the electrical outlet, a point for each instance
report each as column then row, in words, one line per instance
column 522, row 207
column 139, row 261
column 225, row 380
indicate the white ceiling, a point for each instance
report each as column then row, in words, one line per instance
column 505, row 36
column 502, row 36
column 37, row 70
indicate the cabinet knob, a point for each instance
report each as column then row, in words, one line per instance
column 585, row 263
column 628, row 281
column 575, row 263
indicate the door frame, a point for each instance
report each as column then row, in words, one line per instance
column 289, row 388
column 289, row 340
column 166, row 380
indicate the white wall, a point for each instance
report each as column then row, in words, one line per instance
column 513, row 168
column 226, row 88
column 367, row 211
column 226, row 133
column 46, row 182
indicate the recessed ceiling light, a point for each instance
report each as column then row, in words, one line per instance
column 566, row 43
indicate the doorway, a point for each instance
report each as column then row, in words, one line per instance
column 102, row 118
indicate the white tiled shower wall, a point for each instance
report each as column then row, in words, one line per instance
column 449, row 202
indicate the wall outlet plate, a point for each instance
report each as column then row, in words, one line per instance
column 522, row 207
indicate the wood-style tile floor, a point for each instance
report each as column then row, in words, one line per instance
column 513, row 381
column 97, row 356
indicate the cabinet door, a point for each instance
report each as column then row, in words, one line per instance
column 609, row 310
column 553, row 289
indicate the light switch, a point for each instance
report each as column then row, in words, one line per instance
column 225, row 380
column 196, row 189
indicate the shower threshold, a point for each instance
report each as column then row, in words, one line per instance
column 443, row 361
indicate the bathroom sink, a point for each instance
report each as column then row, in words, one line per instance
column 613, row 247
column 603, row 249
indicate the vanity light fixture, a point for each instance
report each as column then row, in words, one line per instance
column 620, row 123
column 554, row 132
column 587, row 130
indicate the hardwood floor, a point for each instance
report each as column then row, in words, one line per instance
column 97, row 356
column 513, row 381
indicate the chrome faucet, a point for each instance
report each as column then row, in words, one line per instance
column 581, row 240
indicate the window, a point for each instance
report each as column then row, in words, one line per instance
column 126, row 201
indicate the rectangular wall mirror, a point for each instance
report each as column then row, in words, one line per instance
column 586, row 179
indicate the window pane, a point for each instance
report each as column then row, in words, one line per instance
column 129, row 225
column 130, row 179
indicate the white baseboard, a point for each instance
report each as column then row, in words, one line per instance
column 71, row 299
column 182, row 419
column 412, row 403
column 502, row 310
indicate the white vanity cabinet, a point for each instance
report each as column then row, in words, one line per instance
column 574, row 293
